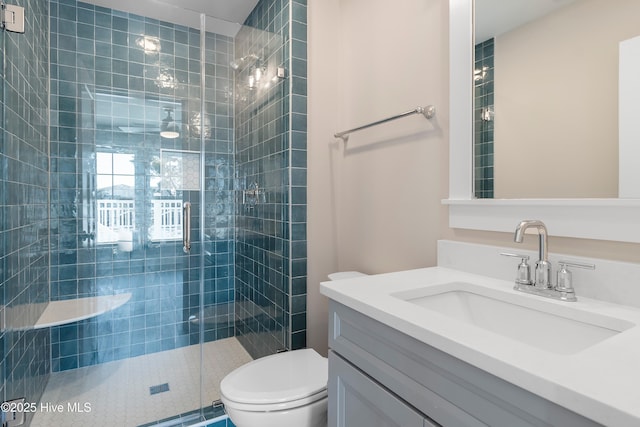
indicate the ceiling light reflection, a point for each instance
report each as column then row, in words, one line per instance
column 149, row 44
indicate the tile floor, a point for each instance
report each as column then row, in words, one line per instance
column 118, row 393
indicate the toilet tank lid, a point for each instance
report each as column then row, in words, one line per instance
column 345, row 275
column 278, row 378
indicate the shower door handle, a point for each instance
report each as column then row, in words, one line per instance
column 186, row 227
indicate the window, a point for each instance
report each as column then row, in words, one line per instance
column 173, row 173
column 115, row 197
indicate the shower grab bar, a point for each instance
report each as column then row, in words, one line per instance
column 186, row 227
column 428, row 112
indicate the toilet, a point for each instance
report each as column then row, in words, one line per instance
column 282, row 390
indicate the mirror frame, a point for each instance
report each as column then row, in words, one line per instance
column 600, row 219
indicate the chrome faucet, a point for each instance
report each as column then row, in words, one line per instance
column 543, row 266
column 541, row 285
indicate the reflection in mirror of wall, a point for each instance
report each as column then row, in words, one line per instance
column 483, row 123
column 549, row 122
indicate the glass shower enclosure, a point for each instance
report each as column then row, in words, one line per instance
column 145, row 212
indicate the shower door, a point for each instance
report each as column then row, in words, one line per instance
column 128, row 131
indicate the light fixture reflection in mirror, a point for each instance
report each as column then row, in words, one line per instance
column 169, row 128
column 480, row 73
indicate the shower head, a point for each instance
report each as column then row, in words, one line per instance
column 239, row 62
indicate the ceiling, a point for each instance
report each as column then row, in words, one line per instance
column 235, row 11
column 223, row 16
column 495, row 17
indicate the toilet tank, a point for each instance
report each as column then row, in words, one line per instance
column 345, row 275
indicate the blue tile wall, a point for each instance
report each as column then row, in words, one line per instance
column 483, row 120
column 271, row 156
column 24, row 159
column 298, row 180
column 108, row 90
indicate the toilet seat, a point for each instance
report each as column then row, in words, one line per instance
column 278, row 382
column 272, row 407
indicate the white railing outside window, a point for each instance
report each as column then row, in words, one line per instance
column 167, row 220
column 116, row 217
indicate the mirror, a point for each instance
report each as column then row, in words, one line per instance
column 547, row 78
column 613, row 219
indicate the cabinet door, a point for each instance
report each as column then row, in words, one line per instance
column 355, row 400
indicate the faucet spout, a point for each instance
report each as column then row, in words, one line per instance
column 543, row 267
column 542, row 236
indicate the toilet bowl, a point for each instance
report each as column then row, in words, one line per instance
column 282, row 390
column 285, row 389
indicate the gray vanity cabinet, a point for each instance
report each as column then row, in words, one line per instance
column 378, row 376
column 361, row 402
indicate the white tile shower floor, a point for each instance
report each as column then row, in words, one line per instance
column 117, row 393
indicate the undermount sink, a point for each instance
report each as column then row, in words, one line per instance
column 557, row 328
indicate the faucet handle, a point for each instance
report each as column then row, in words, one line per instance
column 564, row 278
column 577, row 264
column 523, row 276
column 514, row 255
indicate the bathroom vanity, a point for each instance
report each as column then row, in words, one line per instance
column 438, row 346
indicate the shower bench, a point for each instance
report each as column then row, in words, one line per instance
column 72, row 310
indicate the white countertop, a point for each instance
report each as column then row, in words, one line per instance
column 601, row 382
